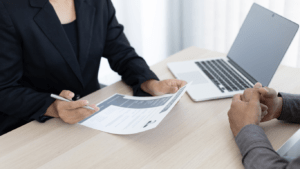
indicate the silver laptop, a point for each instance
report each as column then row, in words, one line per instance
column 254, row 57
column 290, row 149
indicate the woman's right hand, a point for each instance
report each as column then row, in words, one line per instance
column 70, row 112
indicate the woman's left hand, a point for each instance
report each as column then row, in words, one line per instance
column 157, row 88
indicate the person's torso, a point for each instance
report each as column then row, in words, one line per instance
column 49, row 61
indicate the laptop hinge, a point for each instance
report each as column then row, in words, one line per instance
column 242, row 71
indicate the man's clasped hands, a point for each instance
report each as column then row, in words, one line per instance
column 255, row 105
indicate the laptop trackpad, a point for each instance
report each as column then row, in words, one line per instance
column 195, row 76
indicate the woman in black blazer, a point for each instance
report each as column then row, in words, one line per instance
column 56, row 47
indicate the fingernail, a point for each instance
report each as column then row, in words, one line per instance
column 266, row 89
column 71, row 94
column 265, row 113
column 86, row 102
column 98, row 108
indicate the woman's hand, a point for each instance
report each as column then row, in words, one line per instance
column 70, row 112
column 157, row 88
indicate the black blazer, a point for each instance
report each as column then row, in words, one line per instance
column 36, row 57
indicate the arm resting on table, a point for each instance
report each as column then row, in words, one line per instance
column 258, row 152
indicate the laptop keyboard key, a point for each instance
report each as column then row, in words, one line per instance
column 220, row 73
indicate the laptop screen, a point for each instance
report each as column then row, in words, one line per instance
column 262, row 42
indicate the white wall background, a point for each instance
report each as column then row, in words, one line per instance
column 160, row 28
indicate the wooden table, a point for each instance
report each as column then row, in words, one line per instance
column 193, row 135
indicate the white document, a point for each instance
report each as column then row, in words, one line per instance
column 121, row 114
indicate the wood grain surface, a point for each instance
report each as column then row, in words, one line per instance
column 193, row 134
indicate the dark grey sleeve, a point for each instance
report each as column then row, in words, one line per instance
column 290, row 108
column 258, row 152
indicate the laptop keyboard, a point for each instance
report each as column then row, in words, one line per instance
column 223, row 76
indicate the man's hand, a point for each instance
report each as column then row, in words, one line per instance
column 70, row 112
column 157, row 88
column 243, row 113
column 248, row 93
column 268, row 97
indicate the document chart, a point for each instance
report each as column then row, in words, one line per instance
column 121, row 114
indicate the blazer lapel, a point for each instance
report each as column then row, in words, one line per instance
column 85, row 15
column 48, row 21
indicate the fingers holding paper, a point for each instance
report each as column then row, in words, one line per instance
column 70, row 112
column 158, row 88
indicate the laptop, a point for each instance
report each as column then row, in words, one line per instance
column 290, row 149
column 255, row 55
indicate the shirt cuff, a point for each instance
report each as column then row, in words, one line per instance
column 250, row 137
column 137, row 90
column 39, row 116
column 286, row 113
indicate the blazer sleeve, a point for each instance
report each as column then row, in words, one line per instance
column 16, row 100
column 258, row 152
column 290, row 108
column 123, row 58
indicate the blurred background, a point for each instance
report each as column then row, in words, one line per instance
column 160, row 28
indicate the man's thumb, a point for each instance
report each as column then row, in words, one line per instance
column 255, row 98
column 267, row 92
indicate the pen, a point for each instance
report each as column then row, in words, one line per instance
column 67, row 100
